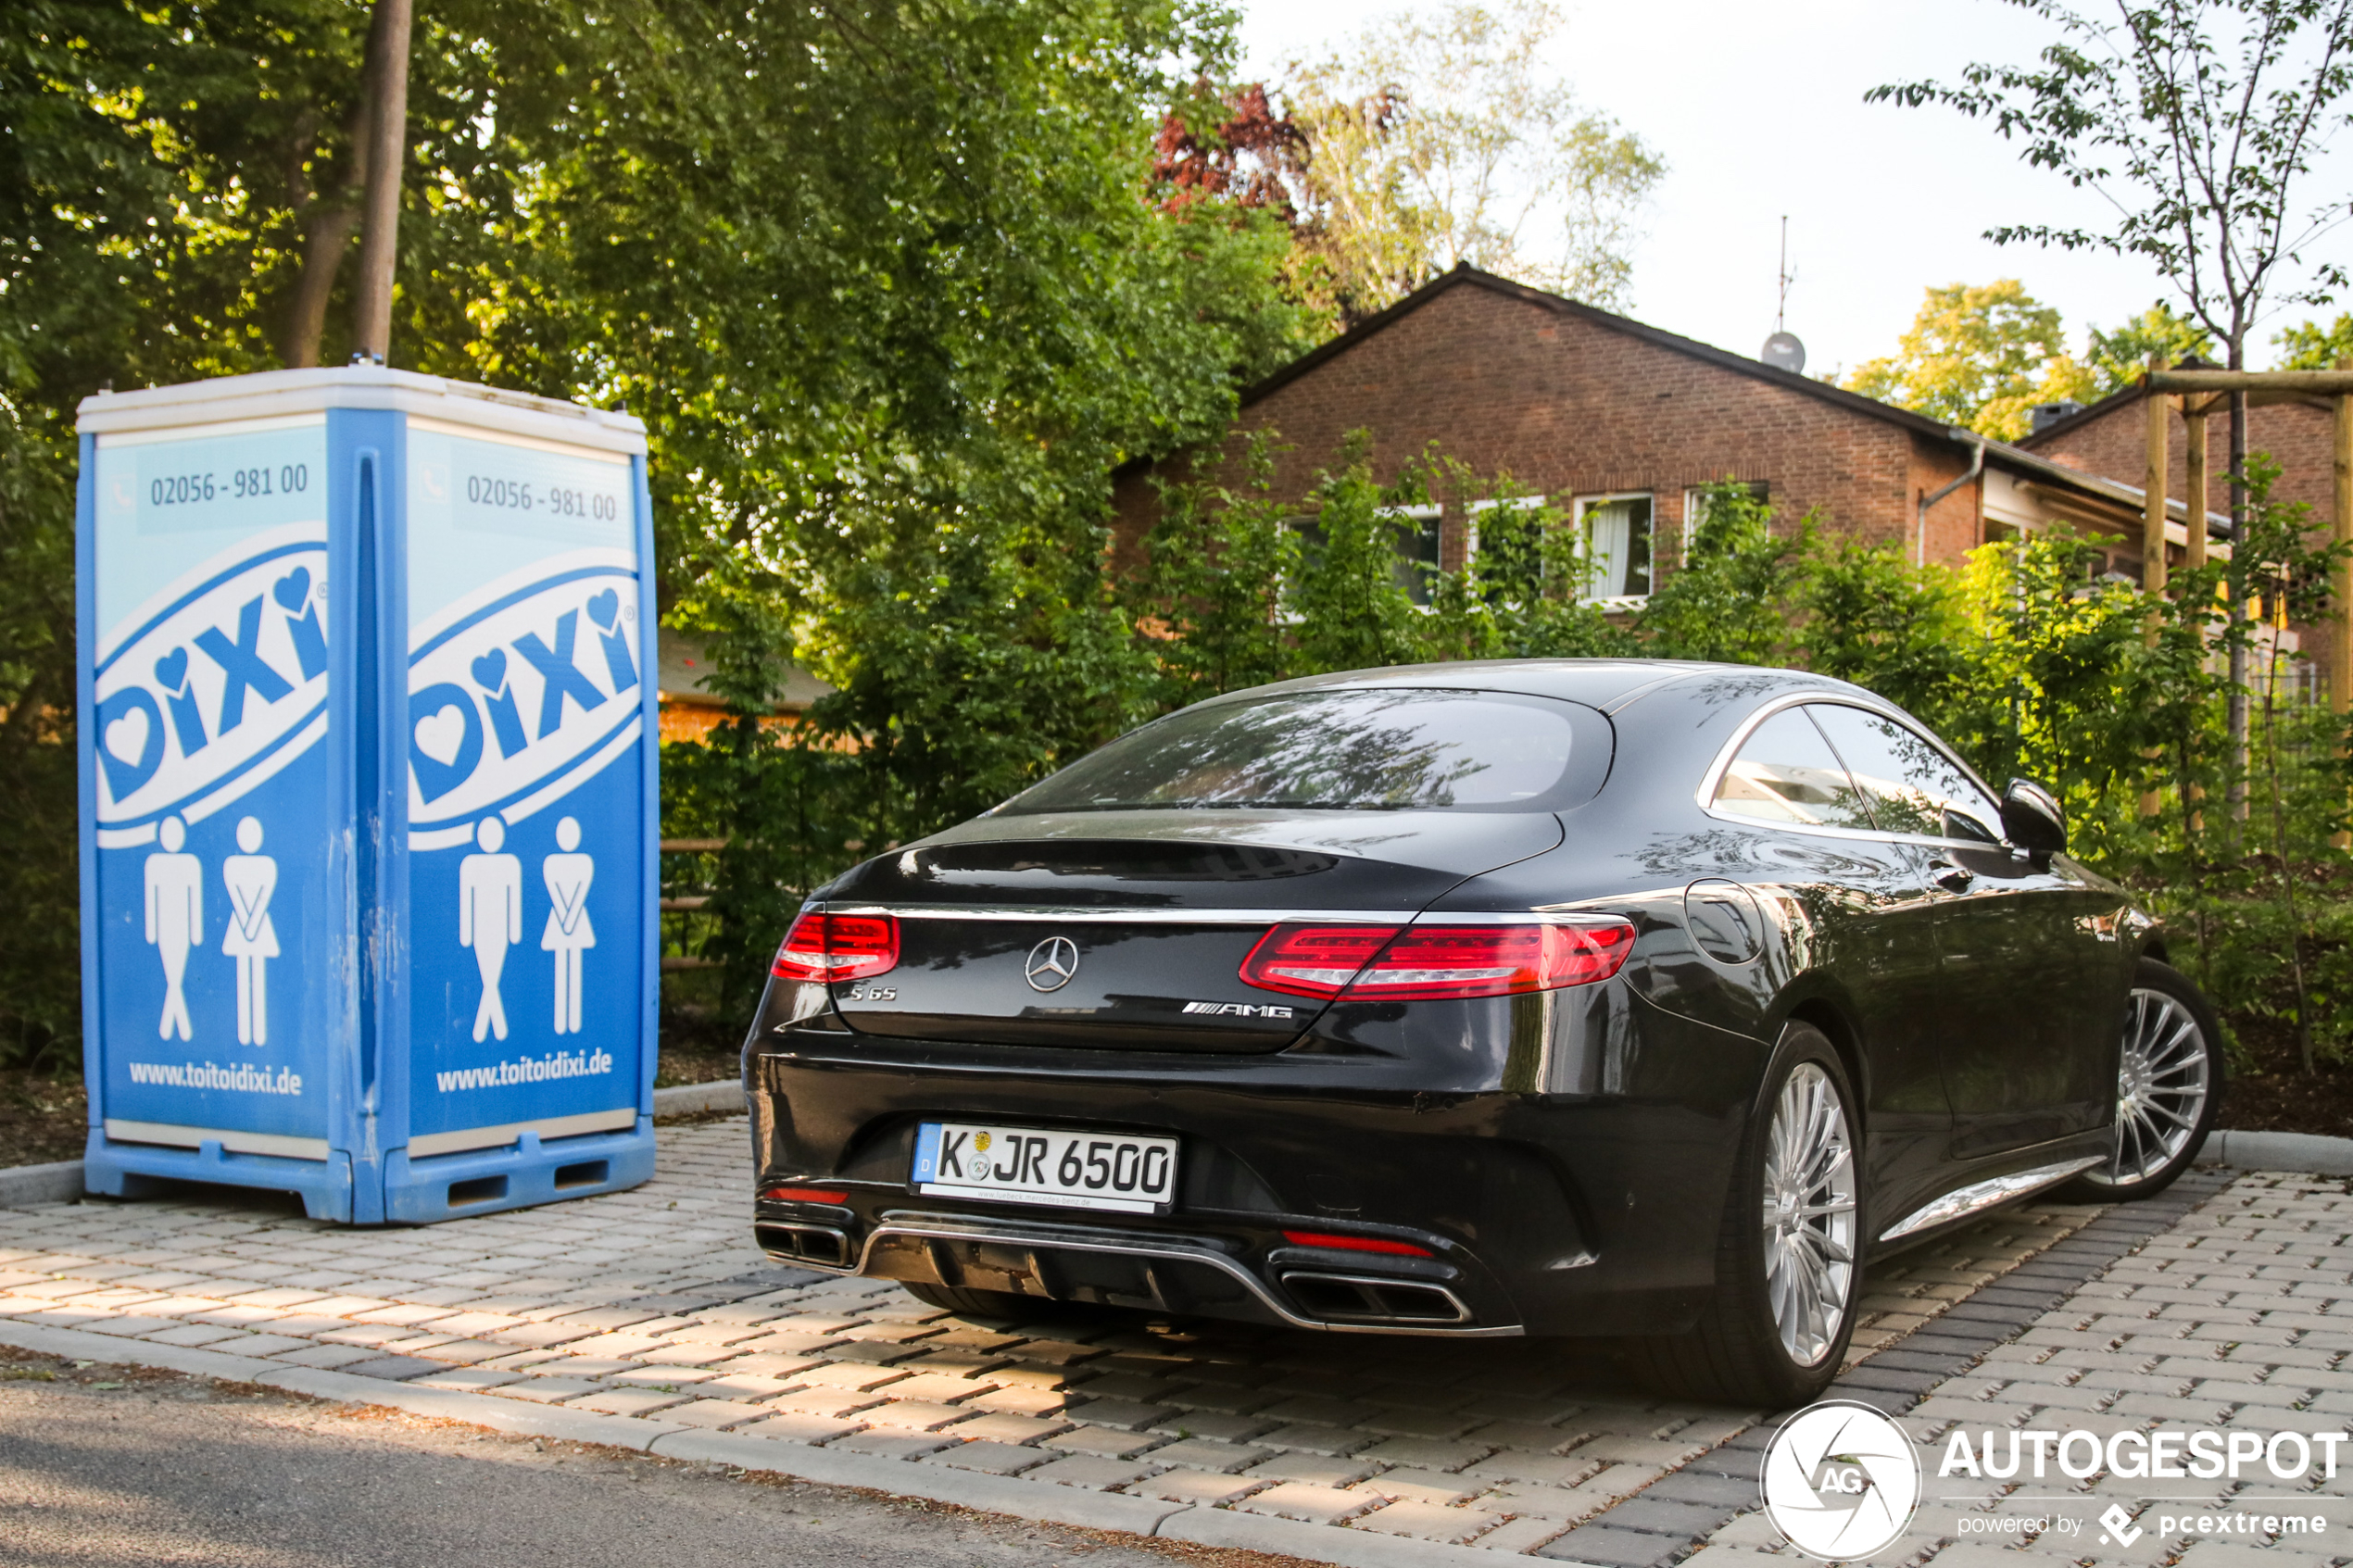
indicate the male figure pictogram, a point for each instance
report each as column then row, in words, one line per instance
column 251, row 937
column 568, row 933
column 175, row 920
column 489, row 918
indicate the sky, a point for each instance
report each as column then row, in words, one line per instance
column 1757, row 107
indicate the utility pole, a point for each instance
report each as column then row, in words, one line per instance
column 387, row 134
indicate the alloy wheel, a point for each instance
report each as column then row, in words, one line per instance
column 1809, row 1214
column 2161, row 1085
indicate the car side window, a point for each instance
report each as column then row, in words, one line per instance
column 1913, row 787
column 1786, row 772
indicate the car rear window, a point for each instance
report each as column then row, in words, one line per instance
column 1339, row 751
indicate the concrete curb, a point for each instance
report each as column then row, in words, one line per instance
column 21, row 1187
column 986, row 1494
column 2303, row 1153
column 1353, row 1548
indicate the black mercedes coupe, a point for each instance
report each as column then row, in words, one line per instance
column 1628, row 998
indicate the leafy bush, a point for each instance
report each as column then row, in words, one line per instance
column 2026, row 660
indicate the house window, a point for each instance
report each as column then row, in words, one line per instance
column 1614, row 531
column 1414, row 539
column 1508, row 537
column 1695, row 506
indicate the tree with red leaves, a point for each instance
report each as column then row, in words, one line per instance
column 1252, row 158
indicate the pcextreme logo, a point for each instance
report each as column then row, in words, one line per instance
column 1840, row 1481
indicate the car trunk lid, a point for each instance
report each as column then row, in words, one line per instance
column 1127, row 930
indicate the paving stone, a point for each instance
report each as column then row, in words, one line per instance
column 657, row 1377
column 1609, row 1547
column 989, row 1458
column 1203, row 1488
column 1316, row 1505
column 837, row 1374
column 469, row 1380
column 191, row 1335
column 716, row 1414
column 1091, row 1471
column 630, row 1402
column 1686, row 1520
column 1015, row 1429
column 1524, row 1535
column 1424, row 1454
column 330, row 1358
column 1104, row 1442
column 1304, row 1438
column 890, row 1445
column 937, row 1387
column 793, row 1426
column 1211, row 1424
column 394, row 1369
column 914, row 1415
column 1201, row 1453
column 1427, row 1522
column 1040, row 1402
column 1118, row 1412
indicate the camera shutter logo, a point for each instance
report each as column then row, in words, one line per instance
column 1052, row 964
column 1840, row 1481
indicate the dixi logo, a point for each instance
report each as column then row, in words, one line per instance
column 219, row 688
column 519, row 691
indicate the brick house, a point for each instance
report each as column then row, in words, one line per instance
column 1619, row 422
column 2110, row 437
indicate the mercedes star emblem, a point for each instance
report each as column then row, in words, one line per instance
column 1052, row 964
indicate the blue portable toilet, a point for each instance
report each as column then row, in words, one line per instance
column 369, row 806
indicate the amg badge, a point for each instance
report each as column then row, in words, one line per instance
column 1237, row 1010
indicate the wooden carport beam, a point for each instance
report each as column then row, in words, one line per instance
column 2299, row 383
column 2281, row 386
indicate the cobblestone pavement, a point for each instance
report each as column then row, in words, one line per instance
column 652, row 1304
column 2237, row 1317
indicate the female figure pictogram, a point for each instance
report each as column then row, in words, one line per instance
column 568, row 932
column 251, row 938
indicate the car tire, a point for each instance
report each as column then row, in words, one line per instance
column 2170, row 1078
column 1776, row 1328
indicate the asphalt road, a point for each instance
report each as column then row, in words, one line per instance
column 103, row 1466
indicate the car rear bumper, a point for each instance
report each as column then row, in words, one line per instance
column 1540, row 1213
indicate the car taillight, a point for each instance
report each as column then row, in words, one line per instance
column 1422, row 962
column 1314, row 960
column 803, row 1194
column 1338, row 1243
column 838, row 947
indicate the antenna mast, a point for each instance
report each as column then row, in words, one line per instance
column 1782, row 309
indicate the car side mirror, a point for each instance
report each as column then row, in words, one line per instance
column 2033, row 821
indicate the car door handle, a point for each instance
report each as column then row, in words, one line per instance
column 1950, row 877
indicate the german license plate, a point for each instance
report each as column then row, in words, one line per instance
column 1127, row 1172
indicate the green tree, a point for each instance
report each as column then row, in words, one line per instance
column 2315, row 347
column 1737, row 590
column 1440, row 140
column 894, row 304
column 2118, row 358
column 1980, row 357
column 2198, row 122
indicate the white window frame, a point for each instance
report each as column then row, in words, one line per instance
column 1472, row 513
column 1579, row 509
column 1423, row 514
column 1694, row 495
